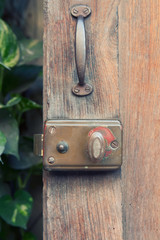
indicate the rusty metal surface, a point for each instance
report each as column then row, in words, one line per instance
column 80, row 10
column 82, row 90
column 76, row 133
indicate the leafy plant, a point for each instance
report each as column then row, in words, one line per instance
column 18, row 163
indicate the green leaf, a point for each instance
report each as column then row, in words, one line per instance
column 26, row 104
column 9, row 126
column 9, row 50
column 30, row 50
column 12, row 102
column 3, row 141
column 19, row 79
column 16, row 212
column 21, row 104
column 27, row 158
column 28, row 236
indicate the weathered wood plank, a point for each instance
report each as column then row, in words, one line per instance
column 81, row 205
column 139, row 66
column 101, row 71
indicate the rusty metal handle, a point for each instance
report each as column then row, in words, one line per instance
column 80, row 49
column 80, row 12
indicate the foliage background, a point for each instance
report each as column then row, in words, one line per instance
column 19, row 81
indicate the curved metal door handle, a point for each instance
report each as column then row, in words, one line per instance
column 81, row 11
column 80, row 49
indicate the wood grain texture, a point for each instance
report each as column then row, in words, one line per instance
column 84, row 206
column 139, row 72
column 59, row 61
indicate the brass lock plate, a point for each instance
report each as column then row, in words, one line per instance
column 65, row 144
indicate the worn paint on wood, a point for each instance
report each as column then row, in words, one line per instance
column 139, row 77
column 81, row 205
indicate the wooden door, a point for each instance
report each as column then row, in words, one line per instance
column 123, row 65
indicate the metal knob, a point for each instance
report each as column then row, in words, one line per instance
column 96, row 147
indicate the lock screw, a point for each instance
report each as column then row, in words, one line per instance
column 114, row 144
column 52, row 130
column 76, row 90
column 75, row 11
column 85, row 11
column 51, row 160
column 87, row 89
